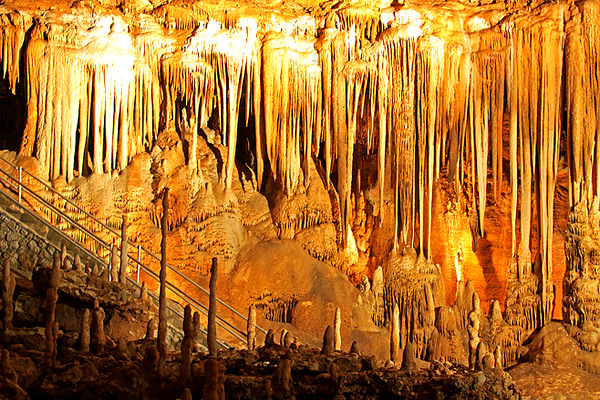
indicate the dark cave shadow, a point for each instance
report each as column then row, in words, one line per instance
column 484, row 255
column 214, row 150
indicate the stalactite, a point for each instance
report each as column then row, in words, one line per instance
column 398, row 49
column 382, row 105
column 291, row 89
column 590, row 12
column 535, row 107
column 188, row 78
column 357, row 76
column 14, row 26
column 513, row 131
column 231, row 53
column 548, row 150
column 486, row 99
column 429, row 66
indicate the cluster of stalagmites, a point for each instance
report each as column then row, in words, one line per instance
column 95, row 361
column 411, row 304
column 339, row 372
column 40, row 350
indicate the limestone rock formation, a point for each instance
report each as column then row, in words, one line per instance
column 581, row 293
column 8, row 291
column 425, row 153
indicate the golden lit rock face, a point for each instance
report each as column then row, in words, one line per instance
column 582, row 278
column 329, row 124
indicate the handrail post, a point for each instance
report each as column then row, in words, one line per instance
column 124, row 251
column 20, row 181
column 110, row 266
column 137, row 276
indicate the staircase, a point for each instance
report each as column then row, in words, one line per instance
column 38, row 208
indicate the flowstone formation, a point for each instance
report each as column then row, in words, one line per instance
column 581, row 302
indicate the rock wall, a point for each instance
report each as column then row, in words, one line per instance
column 22, row 246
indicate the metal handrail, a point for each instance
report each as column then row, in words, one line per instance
column 222, row 343
column 92, row 256
column 109, row 229
column 65, row 237
column 174, row 289
column 50, row 188
column 207, row 293
column 199, row 306
column 41, row 200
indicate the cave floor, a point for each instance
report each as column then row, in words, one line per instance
column 546, row 382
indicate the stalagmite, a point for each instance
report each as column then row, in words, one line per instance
column 328, row 339
column 8, row 290
column 378, row 289
column 211, row 335
column 473, row 330
column 282, row 378
column 186, row 346
column 488, row 362
column 144, row 292
column 122, row 350
column 195, row 331
column 151, row 329
column 269, row 338
column 50, row 311
column 354, row 348
column 408, row 358
column 213, row 385
column 251, row 327
column 186, row 394
column 288, row 340
column 480, row 354
column 63, row 259
column 98, row 338
column 499, row 361
column 162, row 298
column 284, row 332
column 114, row 264
column 124, row 247
column 55, row 332
column 77, row 266
column 84, row 335
column 337, row 343
column 395, row 354
column 495, row 316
